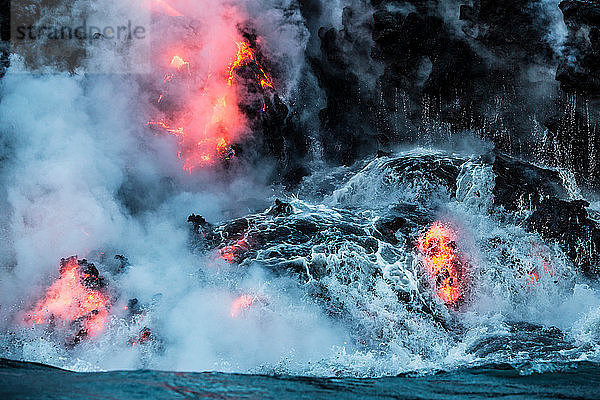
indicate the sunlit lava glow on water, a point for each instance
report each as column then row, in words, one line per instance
column 68, row 300
column 438, row 251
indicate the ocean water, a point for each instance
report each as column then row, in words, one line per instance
column 36, row 381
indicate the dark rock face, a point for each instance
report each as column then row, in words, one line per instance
column 569, row 224
column 91, row 275
column 281, row 209
column 513, row 29
column 278, row 135
column 344, row 137
column 579, row 70
column 281, row 235
column 413, row 71
column 522, row 184
column 421, row 53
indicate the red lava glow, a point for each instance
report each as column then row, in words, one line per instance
column 232, row 252
column 244, row 56
column 438, row 250
column 240, row 304
column 212, row 119
column 68, row 300
column 144, row 337
column 178, row 62
column 540, row 254
column 162, row 7
column 198, row 95
column 534, row 276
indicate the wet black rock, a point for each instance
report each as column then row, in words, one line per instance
column 568, row 223
column 513, row 30
column 90, row 275
column 579, row 69
column 199, row 223
column 405, row 72
column 122, row 263
column 133, row 307
column 281, row 209
column 521, row 184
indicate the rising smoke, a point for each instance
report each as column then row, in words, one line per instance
column 83, row 173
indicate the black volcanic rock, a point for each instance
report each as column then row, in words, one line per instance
column 519, row 183
column 511, row 29
column 579, row 69
column 91, row 277
column 281, row 209
column 421, row 55
column 568, row 223
column 406, row 72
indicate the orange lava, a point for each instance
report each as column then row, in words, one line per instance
column 144, row 337
column 211, row 119
column 266, row 81
column 162, row 124
column 241, row 303
column 230, row 253
column 244, row 55
column 540, row 255
column 178, row 62
column 68, row 300
column 438, row 250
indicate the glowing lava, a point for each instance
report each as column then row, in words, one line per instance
column 241, row 303
column 210, row 119
column 438, row 251
column 178, row 62
column 143, row 337
column 74, row 300
column 232, row 252
column 540, row 254
column 244, row 55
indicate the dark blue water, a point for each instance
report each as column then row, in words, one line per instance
column 35, row 381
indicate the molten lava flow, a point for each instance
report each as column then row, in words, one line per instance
column 166, row 127
column 438, row 250
column 266, row 81
column 210, row 120
column 232, row 252
column 241, row 303
column 178, row 62
column 73, row 298
column 244, row 55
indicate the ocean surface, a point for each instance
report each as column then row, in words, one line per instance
column 37, row 381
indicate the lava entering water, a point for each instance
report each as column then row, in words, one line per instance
column 74, row 300
column 210, row 120
column 440, row 259
column 233, row 252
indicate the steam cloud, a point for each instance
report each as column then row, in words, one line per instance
column 81, row 173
